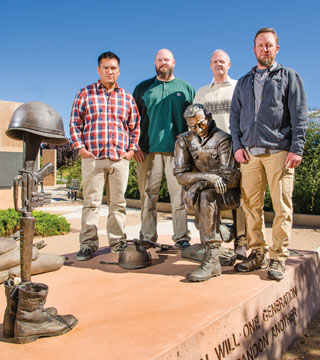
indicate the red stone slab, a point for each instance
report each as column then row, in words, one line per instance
column 153, row 313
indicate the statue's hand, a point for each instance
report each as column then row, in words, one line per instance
column 218, row 183
column 191, row 196
column 220, row 186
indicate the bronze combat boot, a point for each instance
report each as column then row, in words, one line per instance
column 9, row 319
column 210, row 265
column 11, row 309
column 33, row 321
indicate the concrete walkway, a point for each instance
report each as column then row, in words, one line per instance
column 303, row 237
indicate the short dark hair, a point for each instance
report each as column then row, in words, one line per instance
column 264, row 30
column 108, row 55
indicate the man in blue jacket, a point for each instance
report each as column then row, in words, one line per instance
column 268, row 120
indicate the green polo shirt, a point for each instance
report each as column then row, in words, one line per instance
column 161, row 105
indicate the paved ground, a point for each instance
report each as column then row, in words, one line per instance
column 303, row 237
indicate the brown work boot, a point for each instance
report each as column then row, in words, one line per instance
column 9, row 319
column 210, row 265
column 33, row 321
column 256, row 260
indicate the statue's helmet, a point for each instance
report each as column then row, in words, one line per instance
column 37, row 118
column 134, row 257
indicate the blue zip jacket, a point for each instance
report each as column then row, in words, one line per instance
column 282, row 117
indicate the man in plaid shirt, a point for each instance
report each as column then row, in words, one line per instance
column 104, row 127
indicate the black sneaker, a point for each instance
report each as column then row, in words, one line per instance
column 276, row 270
column 182, row 244
column 84, row 254
column 255, row 261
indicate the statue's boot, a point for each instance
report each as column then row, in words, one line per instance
column 227, row 257
column 9, row 319
column 194, row 252
column 210, row 265
column 11, row 309
column 33, row 321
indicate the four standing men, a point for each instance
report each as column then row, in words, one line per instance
column 268, row 120
column 104, row 127
column 161, row 101
column 216, row 97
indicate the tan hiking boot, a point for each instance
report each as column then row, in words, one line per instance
column 255, row 261
column 276, row 270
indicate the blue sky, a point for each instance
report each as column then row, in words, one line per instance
column 49, row 49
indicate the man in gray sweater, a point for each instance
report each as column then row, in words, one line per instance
column 268, row 120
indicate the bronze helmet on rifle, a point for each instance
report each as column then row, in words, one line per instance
column 37, row 118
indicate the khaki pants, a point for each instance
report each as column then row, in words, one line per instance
column 149, row 174
column 96, row 173
column 255, row 175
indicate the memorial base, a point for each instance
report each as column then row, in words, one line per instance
column 153, row 313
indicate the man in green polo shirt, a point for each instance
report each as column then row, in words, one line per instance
column 161, row 101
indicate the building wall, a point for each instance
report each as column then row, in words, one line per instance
column 11, row 155
column 50, row 156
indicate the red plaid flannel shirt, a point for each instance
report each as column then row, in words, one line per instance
column 106, row 124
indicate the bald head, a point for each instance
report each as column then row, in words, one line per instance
column 220, row 52
column 220, row 65
column 165, row 52
column 164, row 64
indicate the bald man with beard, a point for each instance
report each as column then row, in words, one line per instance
column 161, row 101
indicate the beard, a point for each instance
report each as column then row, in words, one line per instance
column 266, row 61
column 164, row 73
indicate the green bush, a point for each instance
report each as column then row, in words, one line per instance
column 306, row 194
column 45, row 224
column 50, row 224
column 9, row 222
column 132, row 191
column 74, row 172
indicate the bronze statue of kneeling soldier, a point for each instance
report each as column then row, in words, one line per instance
column 205, row 166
